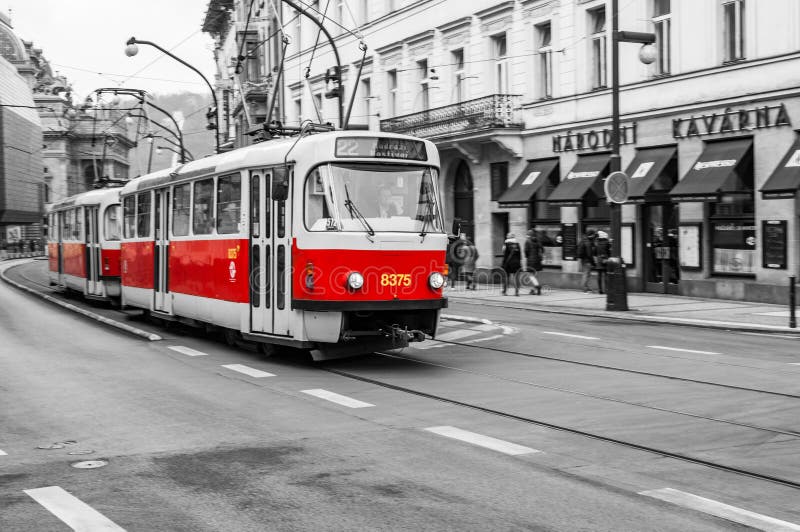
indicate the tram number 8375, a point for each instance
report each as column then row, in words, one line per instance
column 396, row 279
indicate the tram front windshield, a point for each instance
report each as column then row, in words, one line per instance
column 373, row 198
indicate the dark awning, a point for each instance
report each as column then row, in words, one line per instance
column 583, row 182
column 651, row 174
column 785, row 180
column 529, row 182
column 720, row 169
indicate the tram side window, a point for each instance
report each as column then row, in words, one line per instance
column 111, row 223
column 129, row 217
column 203, row 208
column 77, row 223
column 181, row 195
column 143, row 214
column 229, row 203
column 317, row 214
column 66, row 230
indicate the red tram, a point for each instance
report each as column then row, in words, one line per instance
column 84, row 244
column 332, row 241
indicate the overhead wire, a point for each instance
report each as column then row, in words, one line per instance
column 316, row 43
column 239, row 56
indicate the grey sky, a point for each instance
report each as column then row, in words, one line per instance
column 85, row 41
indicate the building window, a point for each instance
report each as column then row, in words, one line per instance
column 500, row 56
column 298, row 109
column 252, row 60
column 597, row 21
column 318, row 107
column 662, row 24
column 733, row 234
column 733, row 30
column 391, row 84
column 499, row 176
column 544, row 71
column 422, row 76
column 339, row 17
column 297, row 29
column 457, row 60
column 364, row 11
column 366, row 96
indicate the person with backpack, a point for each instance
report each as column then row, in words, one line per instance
column 587, row 254
column 512, row 262
column 534, row 251
column 468, row 255
column 602, row 253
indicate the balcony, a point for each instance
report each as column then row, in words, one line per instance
column 498, row 111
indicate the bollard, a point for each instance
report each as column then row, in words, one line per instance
column 792, row 319
column 616, row 289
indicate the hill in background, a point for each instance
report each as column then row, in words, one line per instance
column 187, row 107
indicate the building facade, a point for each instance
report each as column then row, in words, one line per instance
column 516, row 95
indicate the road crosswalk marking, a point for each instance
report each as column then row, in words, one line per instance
column 3, row 453
column 74, row 512
column 482, row 441
column 719, row 509
column 247, row 370
column 338, row 399
column 188, row 351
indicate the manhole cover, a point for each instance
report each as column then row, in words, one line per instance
column 51, row 446
column 90, row 464
column 86, row 451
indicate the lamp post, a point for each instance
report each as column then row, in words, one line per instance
column 617, row 296
column 132, row 49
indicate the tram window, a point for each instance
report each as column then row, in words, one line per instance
column 229, row 202
column 254, row 204
column 111, row 223
column 317, row 198
column 129, row 217
column 143, row 214
column 203, row 208
column 66, row 231
column 181, row 201
column 77, row 224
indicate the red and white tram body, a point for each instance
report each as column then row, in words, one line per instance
column 332, row 241
column 84, row 243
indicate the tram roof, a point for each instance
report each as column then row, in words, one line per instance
column 268, row 153
column 90, row 197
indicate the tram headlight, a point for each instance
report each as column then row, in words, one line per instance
column 436, row 280
column 355, row 280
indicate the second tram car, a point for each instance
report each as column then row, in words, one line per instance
column 332, row 241
column 83, row 243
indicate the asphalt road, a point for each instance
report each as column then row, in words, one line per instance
column 193, row 443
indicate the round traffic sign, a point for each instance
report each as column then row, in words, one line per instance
column 616, row 187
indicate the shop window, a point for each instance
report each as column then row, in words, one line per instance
column 733, row 30
column 499, row 174
column 733, row 235
column 181, row 195
column 129, row 217
column 662, row 25
column 203, row 207
column 600, row 212
column 549, row 235
column 544, row 70
column 229, row 202
column 597, row 25
column 143, row 214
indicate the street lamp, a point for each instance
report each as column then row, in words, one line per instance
column 616, row 292
column 132, row 49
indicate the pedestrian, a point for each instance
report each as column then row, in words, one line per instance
column 453, row 242
column 586, row 254
column 534, row 251
column 602, row 252
column 512, row 262
column 467, row 255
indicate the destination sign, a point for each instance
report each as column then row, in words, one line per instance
column 381, row 148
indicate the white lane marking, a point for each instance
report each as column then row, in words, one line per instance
column 777, row 314
column 571, row 335
column 468, row 319
column 773, row 335
column 714, row 322
column 75, row 513
column 247, row 370
column 682, row 350
column 481, row 440
column 336, row 398
column 484, row 327
column 719, row 509
column 3, row 453
column 450, row 323
column 485, row 339
column 794, row 363
column 429, row 344
column 188, row 351
column 455, row 335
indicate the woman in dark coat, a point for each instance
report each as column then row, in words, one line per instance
column 512, row 262
column 534, row 251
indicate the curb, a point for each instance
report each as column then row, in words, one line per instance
column 689, row 322
column 74, row 308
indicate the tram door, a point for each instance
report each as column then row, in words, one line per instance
column 60, row 235
column 93, row 286
column 270, row 252
column 162, row 302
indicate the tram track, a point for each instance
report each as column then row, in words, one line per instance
column 622, row 370
column 572, row 430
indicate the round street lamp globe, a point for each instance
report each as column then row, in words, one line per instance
column 131, row 50
column 647, row 54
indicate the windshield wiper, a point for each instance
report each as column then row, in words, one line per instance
column 428, row 214
column 351, row 208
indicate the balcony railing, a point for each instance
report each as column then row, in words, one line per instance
column 489, row 112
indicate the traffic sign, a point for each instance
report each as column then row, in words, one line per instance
column 616, row 187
